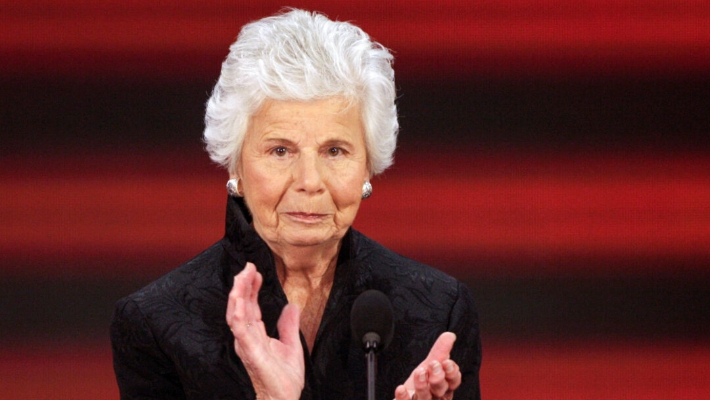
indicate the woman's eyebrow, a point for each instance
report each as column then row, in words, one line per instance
column 337, row 142
column 277, row 140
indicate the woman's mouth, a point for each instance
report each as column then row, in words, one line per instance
column 306, row 217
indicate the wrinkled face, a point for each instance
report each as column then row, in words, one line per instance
column 302, row 168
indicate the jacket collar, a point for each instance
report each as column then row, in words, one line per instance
column 242, row 244
column 241, row 241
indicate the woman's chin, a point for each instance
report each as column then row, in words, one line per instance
column 313, row 236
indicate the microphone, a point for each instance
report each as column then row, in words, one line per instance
column 372, row 321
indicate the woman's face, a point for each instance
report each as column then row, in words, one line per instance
column 302, row 168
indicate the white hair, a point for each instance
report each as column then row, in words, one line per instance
column 303, row 56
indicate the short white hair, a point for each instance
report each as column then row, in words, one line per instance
column 302, row 56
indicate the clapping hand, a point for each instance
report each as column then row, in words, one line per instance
column 276, row 366
column 436, row 377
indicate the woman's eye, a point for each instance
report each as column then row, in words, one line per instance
column 280, row 151
column 334, row 151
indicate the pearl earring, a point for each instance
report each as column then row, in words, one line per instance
column 366, row 190
column 233, row 187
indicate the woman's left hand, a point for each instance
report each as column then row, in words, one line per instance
column 434, row 378
column 276, row 366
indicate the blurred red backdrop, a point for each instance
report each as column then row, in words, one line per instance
column 554, row 155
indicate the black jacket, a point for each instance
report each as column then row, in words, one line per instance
column 171, row 341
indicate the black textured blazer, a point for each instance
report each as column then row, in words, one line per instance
column 171, row 341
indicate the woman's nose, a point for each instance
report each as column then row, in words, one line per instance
column 308, row 174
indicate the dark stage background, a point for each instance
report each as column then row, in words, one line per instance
column 553, row 155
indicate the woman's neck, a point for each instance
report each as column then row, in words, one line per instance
column 306, row 277
column 306, row 266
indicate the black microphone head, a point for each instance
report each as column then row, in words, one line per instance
column 372, row 318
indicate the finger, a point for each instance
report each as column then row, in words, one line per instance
column 441, row 350
column 246, row 280
column 288, row 326
column 255, row 284
column 235, row 294
column 231, row 300
column 401, row 393
column 241, row 311
column 256, row 279
column 437, row 379
column 453, row 374
column 421, row 384
column 258, row 282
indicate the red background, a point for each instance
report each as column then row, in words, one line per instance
column 579, row 214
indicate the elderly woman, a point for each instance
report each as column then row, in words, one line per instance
column 302, row 116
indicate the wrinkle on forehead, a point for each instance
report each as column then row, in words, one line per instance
column 290, row 123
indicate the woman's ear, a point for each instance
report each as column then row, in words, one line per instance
column 235, row 170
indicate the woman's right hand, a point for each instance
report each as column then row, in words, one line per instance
column 276, row 366
column 435, row 378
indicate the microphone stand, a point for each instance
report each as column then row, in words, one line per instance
column 372, row 315
column 371, row 354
